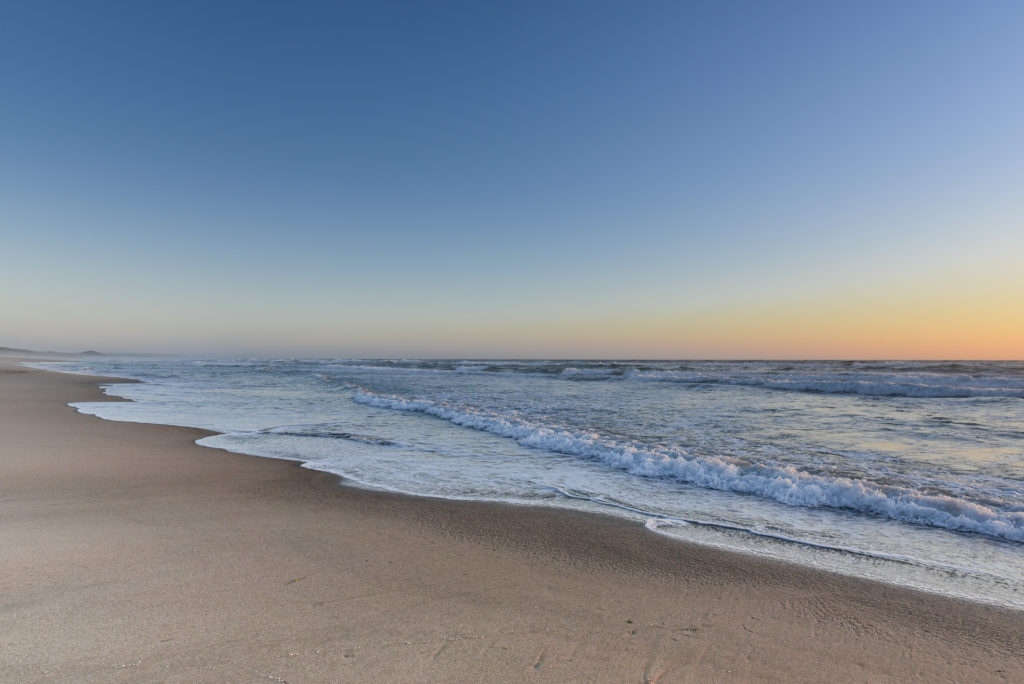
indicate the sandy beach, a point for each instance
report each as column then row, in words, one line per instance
column 131, row 554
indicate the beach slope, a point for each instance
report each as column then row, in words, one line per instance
column 130, row 554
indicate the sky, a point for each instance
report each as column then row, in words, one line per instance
column 514, row 179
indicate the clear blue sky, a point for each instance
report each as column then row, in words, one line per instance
column 624, row 179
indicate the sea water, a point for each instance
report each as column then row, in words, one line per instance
column 906, row 472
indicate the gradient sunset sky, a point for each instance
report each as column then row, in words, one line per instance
column 517, row 179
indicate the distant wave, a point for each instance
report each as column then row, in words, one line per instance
column 467, row 367
column 915, row 380
column 931, row 382
column 928, row 385
column 442, row 367
column 782, row 483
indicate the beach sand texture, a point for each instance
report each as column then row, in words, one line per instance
column 130, row 554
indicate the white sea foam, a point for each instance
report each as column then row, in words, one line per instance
column 782, row 483
column 467, row 367
column 598, row 373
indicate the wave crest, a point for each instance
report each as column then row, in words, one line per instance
column 782, row 483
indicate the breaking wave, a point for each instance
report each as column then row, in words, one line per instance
column 598, row 373
column 785, row 484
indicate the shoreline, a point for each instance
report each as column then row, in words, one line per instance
column 357, row 582
column 344, row 480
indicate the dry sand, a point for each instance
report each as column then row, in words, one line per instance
column 130, row 554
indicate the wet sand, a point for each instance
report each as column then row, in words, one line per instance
column 130, row 554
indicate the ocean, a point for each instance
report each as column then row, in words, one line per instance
column 906, row 472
